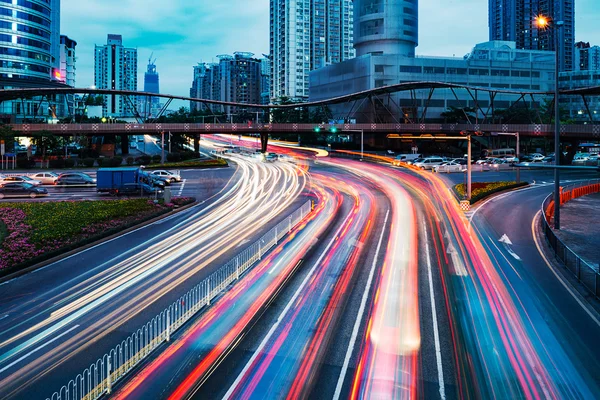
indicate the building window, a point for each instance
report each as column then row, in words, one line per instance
column 379, row 69
column 372, row 27
column 414, row 69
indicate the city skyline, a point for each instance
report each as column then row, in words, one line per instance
column 244, row 26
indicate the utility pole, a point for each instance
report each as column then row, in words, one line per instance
column 162, row 156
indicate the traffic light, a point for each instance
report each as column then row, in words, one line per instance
column 333, row 129
column 478, row 133
column 464, row 133
column 317, row 129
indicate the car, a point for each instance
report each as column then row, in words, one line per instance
column 24, row 179
column 172, row 176
column 461, row 161
column 548, row 160
column 484, row 161
column 416, row 160
column 449, row 166
column 429, row 163
column 47, row 178
column 271, row 157
column 285, row 157
column 581, row 158
column 75, row 179
column 536, row 157
column 21, row 189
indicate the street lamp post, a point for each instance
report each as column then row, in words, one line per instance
column 544, row 24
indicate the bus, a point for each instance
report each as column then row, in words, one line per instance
column 498, row 153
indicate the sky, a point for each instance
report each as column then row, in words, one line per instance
column 181, row 33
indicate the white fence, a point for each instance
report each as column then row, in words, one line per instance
column 98, row 378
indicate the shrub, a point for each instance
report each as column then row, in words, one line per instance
column 25, row 163
column 88, row 162
column 101, row 161
column 69, row 163
column 130, row 160
column 145, row 159
column 481, row 190
column 115, row 162
column 57, row 163
column 173, row 157
column 156, row 158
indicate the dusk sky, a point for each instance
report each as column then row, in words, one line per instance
column 182, row 33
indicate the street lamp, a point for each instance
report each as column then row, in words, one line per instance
column 544, row 23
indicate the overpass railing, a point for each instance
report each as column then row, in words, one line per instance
column 99, row 378
column 587, row 274
column 241, row 128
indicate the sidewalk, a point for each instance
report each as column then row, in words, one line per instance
column 580, row 227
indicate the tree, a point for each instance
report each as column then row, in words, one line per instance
column 45, row 142
column 456, row 115
column 290, row 115
column 8, row 135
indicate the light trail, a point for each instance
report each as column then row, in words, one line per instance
column 208, row 341
column 123, row 286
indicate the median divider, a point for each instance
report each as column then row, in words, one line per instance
column 586, row 274
column 99, row 378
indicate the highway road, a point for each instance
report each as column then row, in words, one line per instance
column 440, row 311
column 61, row 318
column 386, row 291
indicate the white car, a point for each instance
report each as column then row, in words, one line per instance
column 449, row 166
column 429, row 163
column 47, row 178
column 20, row 179
column 537, row 157
column 173, row 177
column 581, row 158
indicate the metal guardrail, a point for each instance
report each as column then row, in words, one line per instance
column 98, row 378
column 587, row 274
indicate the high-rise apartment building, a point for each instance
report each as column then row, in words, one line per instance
column 306, row 35
column 265, row 79
column 515, row 20
column 234, row 78
column 586, row 57
column 67, row 60
column 115, row 67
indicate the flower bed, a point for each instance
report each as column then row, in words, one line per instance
column 41, row 230
column 481, row 190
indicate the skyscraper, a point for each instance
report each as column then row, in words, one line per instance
column 306, row 35
column 586, row 57
column 235, row 78
column 386, row 27
column 115, row 67
column 30, row 48
column 150, row 106
column 515, row 20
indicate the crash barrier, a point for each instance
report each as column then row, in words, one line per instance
column 587, row 274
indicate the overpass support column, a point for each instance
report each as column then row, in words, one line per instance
column 124, row 144
column 264, row 141
column 197, row 144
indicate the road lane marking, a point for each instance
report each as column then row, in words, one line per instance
column 309, row 276
column 38, row 348
column 1, row 318
column 181, row 187
column 436, row 334
column 359, row 317
column 560, row 279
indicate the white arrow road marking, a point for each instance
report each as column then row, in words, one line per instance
column 504, row 239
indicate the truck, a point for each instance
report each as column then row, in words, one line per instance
column 123, row 180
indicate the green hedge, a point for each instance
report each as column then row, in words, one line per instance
column 481, row 190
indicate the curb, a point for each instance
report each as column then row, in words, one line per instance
column 69, row 253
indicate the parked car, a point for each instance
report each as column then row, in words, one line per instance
column 548, row 160
column 23, row 179
column 461, row 161
column 581, row 158
column 172, row 176
column 416, row 160
column 429, row 163
column 405, row 158
column 75, row 179
column 536, row 157
column 21, row 189
column 484, row 161
column 449, row 166
column 47, row 178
